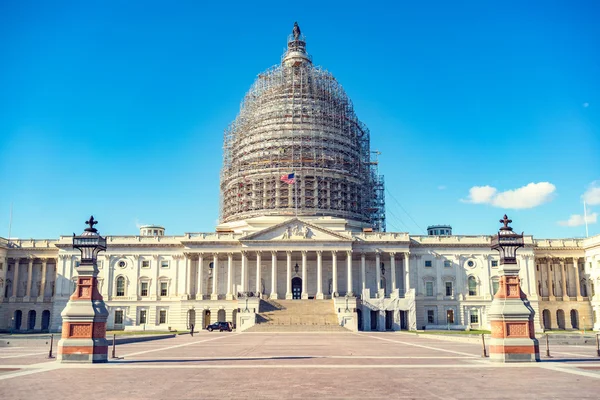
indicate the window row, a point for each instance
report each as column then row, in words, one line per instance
column 144, row 287
column 142, row 317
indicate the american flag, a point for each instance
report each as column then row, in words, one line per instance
column 288, row 178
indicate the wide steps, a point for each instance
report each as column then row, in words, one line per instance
column 296, row 316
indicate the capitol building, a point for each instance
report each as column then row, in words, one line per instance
column 301, row 233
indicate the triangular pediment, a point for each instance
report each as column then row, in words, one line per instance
column 296, row 230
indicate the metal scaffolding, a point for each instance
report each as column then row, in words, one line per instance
column 296, row 118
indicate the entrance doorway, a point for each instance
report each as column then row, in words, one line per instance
column 574, row 319
column 403, row 322
column 389, row 319
column 191, row 318
column 221, row 316
column 31, row 321
column 374, row 316
column 360, row 319
column 18, row 319
column 560, row 319
column 206, row 318
column 296, row 288
column 45, row 321
column 546, row 319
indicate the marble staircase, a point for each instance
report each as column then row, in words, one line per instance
column 296, row 316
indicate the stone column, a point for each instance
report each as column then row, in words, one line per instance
column 550, row 278
column 304, row 294
column 215, row 293
column 578, row 283
column 565, row 293
column 378, row 271
column 29, row 279
column 363, row 273
column 200, row 285
column 288, row 283
column 349, row 291
column 319, row 274
column 15, row 285
column 274, row 275
column 334, row 287
column 406, row 272
column 229, row 295
column 43, row 286
column 258, row 277
column 243, row 274
column 188, row 276
column 393, row 270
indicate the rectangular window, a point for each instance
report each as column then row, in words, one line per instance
column 162, row 317
column 474, row 316
column 449, row 316
column 164, row 264
column 430, row 316
column 449, row 289
column 163, row 288
column 428, row 263
column 429, row 288
column 142, row 317
column 1, row 266
column 144, row 291
column 494, row 263
column 145, row 264
column 447, row 264
column 119, row 317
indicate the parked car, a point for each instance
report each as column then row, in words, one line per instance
column 220, row 326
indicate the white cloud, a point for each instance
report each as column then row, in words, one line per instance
column 578, row 220
column 480, row 194
column 592, row 194
column 529, row 196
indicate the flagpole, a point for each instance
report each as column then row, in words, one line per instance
column 585, row 219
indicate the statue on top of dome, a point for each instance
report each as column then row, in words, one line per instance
column 296, row 31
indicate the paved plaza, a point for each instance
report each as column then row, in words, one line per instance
column 363, row 365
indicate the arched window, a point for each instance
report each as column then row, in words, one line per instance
column 495, row 285
column 120, row 286
column 472, row 283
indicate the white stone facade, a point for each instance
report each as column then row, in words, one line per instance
column 399, row 281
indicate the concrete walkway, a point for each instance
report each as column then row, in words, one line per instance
column 365, row 365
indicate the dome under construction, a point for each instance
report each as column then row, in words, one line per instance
column 297, row 148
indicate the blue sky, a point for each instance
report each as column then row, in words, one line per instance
column 479, row 108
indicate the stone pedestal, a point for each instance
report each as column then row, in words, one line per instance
column 84, row 322
column 513, row 335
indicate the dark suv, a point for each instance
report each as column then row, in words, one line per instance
column 220, row 326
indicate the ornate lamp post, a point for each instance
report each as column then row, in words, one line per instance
column 84, row 317
column 513, row 335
